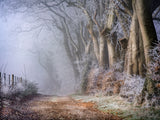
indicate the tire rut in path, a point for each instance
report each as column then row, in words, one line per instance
column 66, row 108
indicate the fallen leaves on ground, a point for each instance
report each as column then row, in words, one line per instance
column 61, row 108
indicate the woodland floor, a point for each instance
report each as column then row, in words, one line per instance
column 54, row 108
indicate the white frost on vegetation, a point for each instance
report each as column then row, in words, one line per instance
column 5, row 89
column 8, row 89
column 20, row 89
column 133, row 85
column 106, row 102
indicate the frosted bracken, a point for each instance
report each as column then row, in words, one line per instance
column 133, row 85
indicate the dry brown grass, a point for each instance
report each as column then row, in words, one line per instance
column 103, row 81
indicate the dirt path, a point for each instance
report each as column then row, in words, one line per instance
column 59, row 108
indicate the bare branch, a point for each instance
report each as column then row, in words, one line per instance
column 88, row 47
column 69, row 35
column 95, row 21
column 156, row 13
column 157, row 19
column 66, row 14
column 56, row 13
column 59, row 3
column 81, row 34
column 80, row 6
column 126, row 7
column 55, row 4
column 122, row 24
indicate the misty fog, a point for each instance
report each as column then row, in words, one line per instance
column 23, row 53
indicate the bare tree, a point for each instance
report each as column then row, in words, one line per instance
column 141, row 39
column 96, row 33
column 99, row 25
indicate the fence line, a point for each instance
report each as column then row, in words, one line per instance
column 10, row 80
column 1, row 98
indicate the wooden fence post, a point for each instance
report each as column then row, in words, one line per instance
column 4, row 79
column 15, row 80
column 12, row 80
column 20, row 79
column 9, row 78
column 1, row 97
column 25, row 82
column 0, row 80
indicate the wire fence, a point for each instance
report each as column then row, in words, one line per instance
column 10, row 81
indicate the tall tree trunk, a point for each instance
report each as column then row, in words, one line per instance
column 141, row 58
column 141, row 40
column 72, row 60
column 103, row 52
column 144, row 14
column 132, row 65
column 84, row 76
column 94, row 39
column 111, row 52
column 134, row 61
column 143, row 11
column 111, row 41
column 68, row 51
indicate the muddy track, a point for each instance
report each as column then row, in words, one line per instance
column 58, row 108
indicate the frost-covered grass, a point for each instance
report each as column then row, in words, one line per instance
column 121, row 107
column 20, row 90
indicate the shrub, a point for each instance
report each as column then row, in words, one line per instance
column 155, row 64
column 20, row 90
column 30, row 89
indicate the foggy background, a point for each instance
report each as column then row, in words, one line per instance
column 21, row 47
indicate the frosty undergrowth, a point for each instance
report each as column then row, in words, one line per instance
column 155, row 64
column 20, row 89
column 133, row 85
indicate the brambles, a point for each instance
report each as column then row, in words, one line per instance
column 155, row 64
